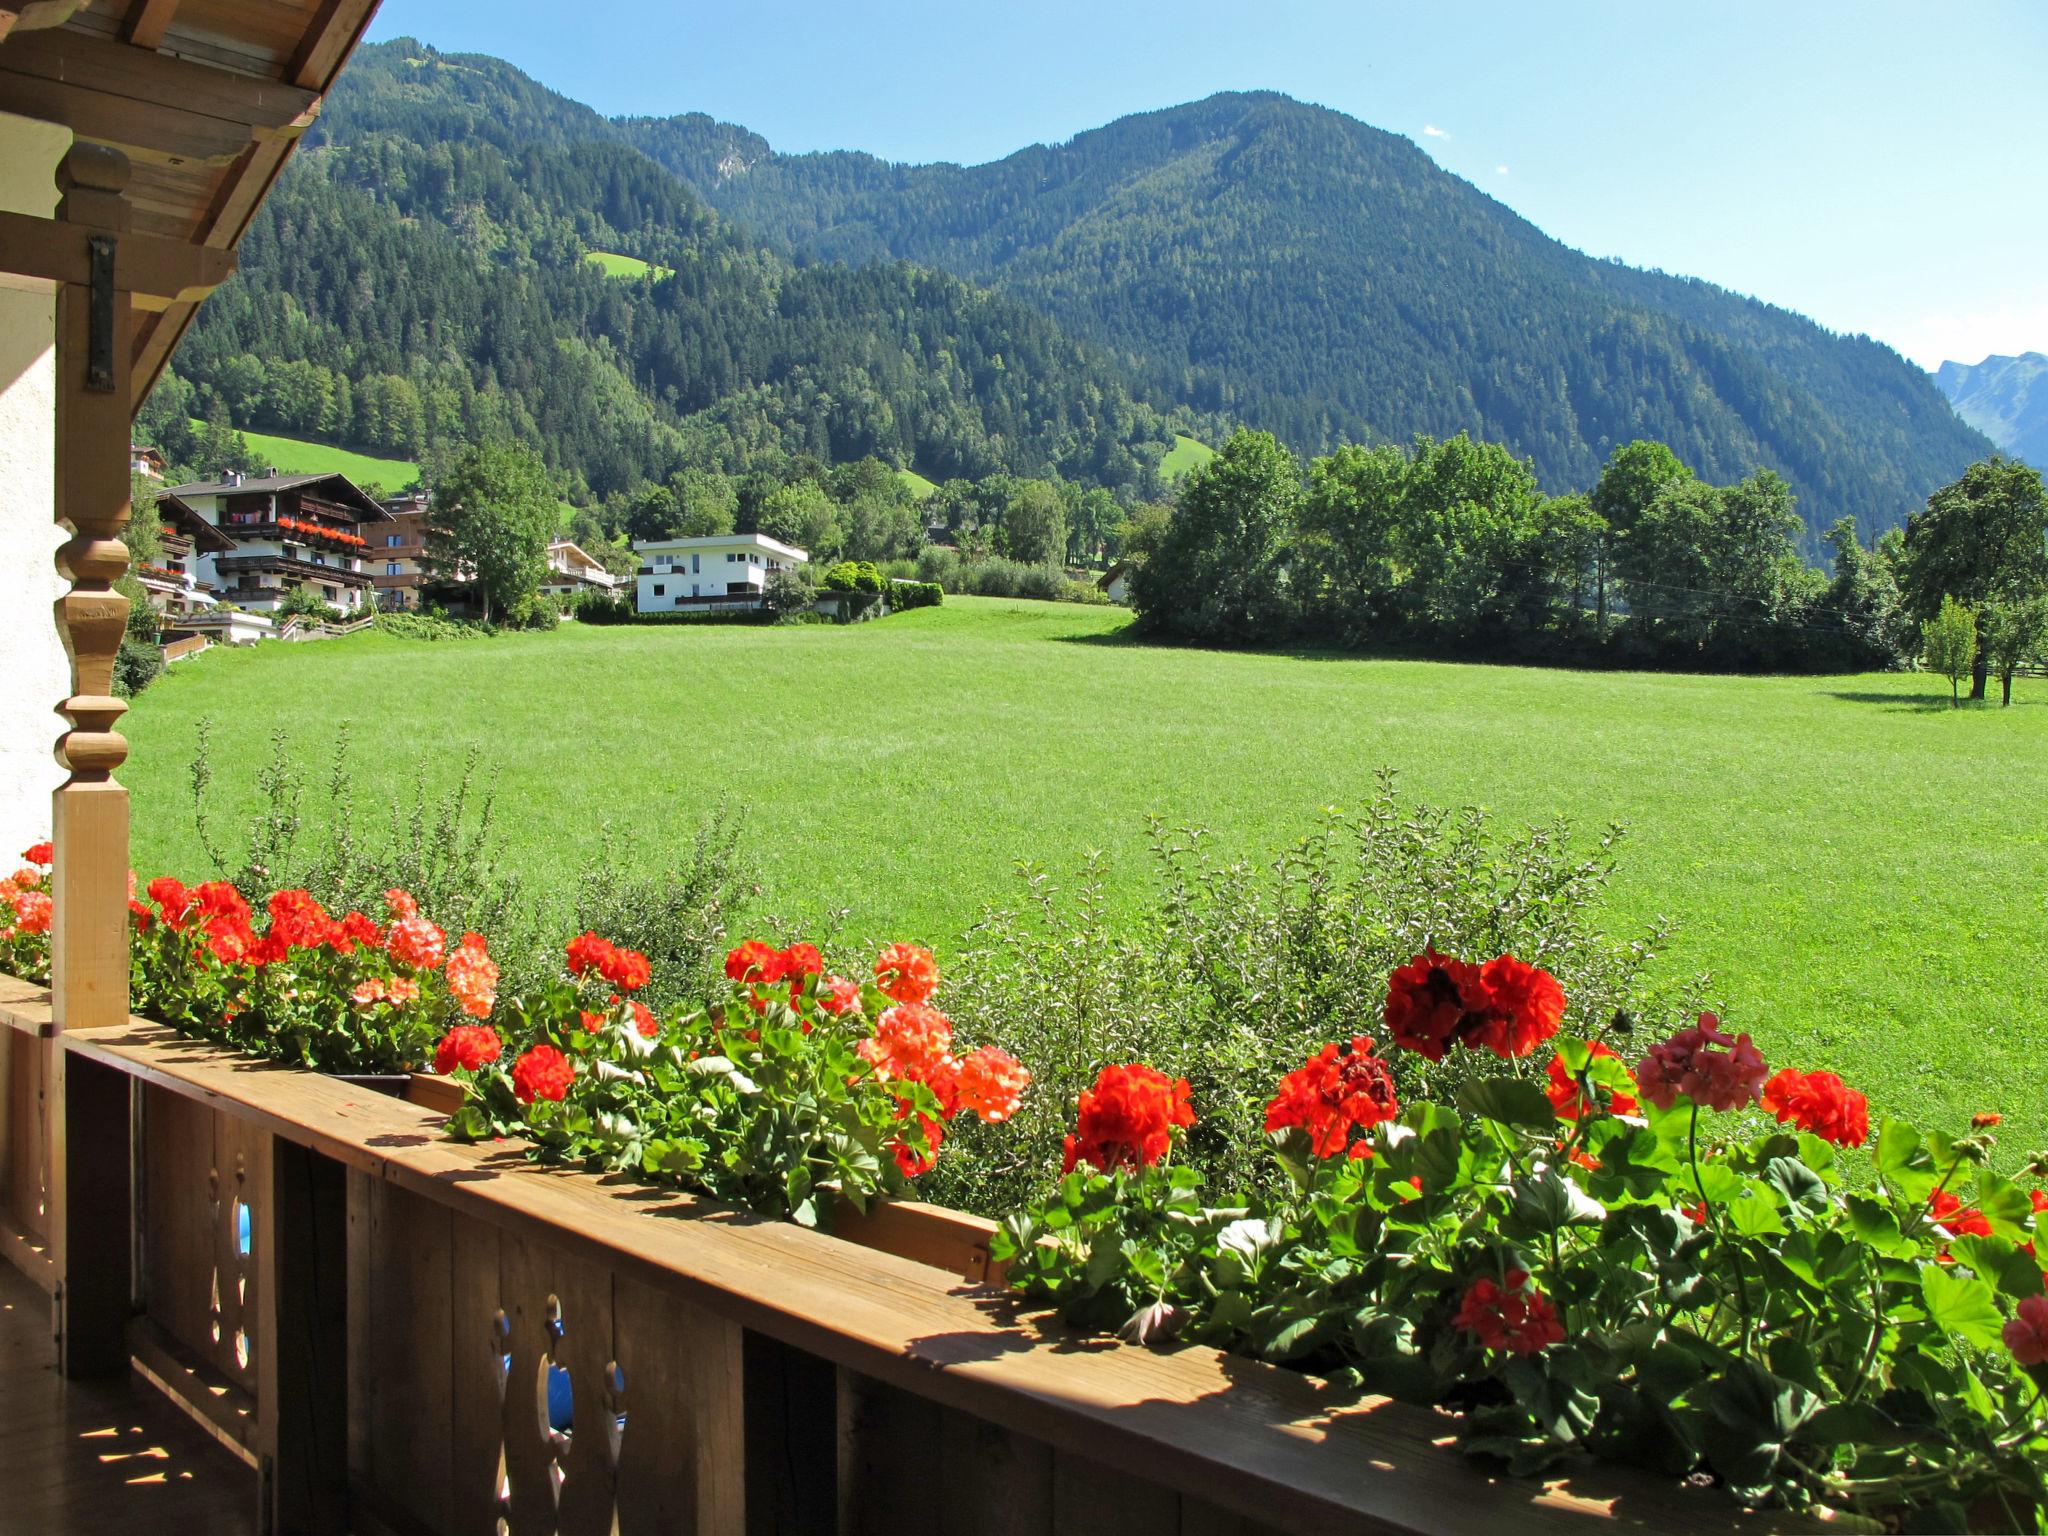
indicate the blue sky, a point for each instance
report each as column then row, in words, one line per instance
column 1881, row 166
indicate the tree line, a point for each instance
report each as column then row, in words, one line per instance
column 1450, row 548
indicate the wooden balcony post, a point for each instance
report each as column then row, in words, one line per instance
column 89, row 819
column 89, row 1194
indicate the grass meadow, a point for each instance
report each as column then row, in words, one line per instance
column 1863, row 870
column 302, row 456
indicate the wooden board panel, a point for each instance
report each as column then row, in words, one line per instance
column 792, row 1439
column 408, row 1357
column 178, row 1226
column 1092, row 1499
column 527, row 1285
column 995, row 1480
column 674, row 1423
column 887, row 1444
column 26, row 1189
column 242, row 1161
column 476, row 1382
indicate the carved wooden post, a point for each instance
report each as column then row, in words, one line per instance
column 89, row 821
column 88, row 1174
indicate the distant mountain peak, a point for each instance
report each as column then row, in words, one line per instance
column 2005, row 398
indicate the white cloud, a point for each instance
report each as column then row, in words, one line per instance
column 1431, row 131
column 1500, row 170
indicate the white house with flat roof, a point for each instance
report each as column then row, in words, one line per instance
column 727, row 570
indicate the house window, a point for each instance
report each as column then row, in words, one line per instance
column 391, row 540
column 393, row 568
column 660, row 590
column 695, row 565
column 693, row 589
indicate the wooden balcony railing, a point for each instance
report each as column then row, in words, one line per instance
column 403, row 1335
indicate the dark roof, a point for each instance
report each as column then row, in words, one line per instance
column 263, row 485
column 205, row 537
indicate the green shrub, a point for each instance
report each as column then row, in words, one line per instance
column 1046, row 582
column 1238, row 970
column 915, row 594
column 939, row 566
column 305, row 603
column 866, row 578
column 1085, row 592
column 137, row 664
column 842, row 577
column 428, row 626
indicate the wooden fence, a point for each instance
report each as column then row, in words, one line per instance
column 191, row 645
column 403, row 1335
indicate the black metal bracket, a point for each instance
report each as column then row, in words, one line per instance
column 99, row 363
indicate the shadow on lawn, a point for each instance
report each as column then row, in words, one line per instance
column 1910, row 703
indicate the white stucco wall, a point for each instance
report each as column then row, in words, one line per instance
column 33, row 671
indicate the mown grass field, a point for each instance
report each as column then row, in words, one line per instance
column 301, row 456
column 1864, row 870
column 612, row 264
column 1185, row 454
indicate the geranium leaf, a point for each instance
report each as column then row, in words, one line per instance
column 2001, row 1261
column 1753, row 1215
column 1803, row 1189
column 2004, row 1204
column 1878, row 1225
column 1903, row 1163
column 1962, row 1305
column 1550, row 1200
column 1508, row 1101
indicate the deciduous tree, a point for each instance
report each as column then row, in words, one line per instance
column 1948, row 644
column 1983, row 539
column 493, row 514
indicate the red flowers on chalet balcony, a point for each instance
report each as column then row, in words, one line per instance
column 1128, row 1118
column 1336, row 1090
column 473, row 977
column 626, row 969
column 322, row 531
column 415, row 942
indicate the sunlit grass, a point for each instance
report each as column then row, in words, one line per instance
column 1862, row 868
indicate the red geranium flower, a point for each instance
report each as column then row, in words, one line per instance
column 626, row 969
column 1428, row 999
column 1330, row 1093
column 473, row 977
column 468, row 1046
column 41, row 853
column 1128, row 1118
column 142, row 916
column 801, row 960
column 992, row 1083
column 643, row 1020
column 840, row 995
column 1819, row 1102
column 542, row 1072
column 907, row 973
column 915, row 1042
column 592, row 1022
column 911, row 1160
column 171, row 898
column 297, row 920
column 34, row 911
column 1510, row 1316
column 587, row 953
column 2027, row 1334
column 754, row 962
column 1570, row 1100
column 415, row 942
column 1523, row 1007
column 400, row 903
column 1704, row 1065
column 1956, row 1219
column 355, row 929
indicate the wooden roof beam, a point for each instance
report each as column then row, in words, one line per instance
column 156, row 108
column 24, row 14
column 147, row 22
column 157, row 273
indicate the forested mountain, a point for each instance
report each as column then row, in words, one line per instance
column 1325, row 280
column 420, row 278
column 2005, row 398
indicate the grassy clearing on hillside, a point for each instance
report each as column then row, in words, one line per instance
column 1185, row 454
column 917, row 484
column 300, row 456
column 1862, row 868
column 615, row 265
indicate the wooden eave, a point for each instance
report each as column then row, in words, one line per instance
column 206, row 98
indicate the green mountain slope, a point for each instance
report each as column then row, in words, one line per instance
column 424, row 275
column 2005, row 398
column 1321, row 278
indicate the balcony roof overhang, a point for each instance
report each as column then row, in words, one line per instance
column 204, row 98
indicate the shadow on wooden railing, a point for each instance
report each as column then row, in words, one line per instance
column 406, row 1335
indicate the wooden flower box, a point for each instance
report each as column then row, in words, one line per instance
column 381, row 1343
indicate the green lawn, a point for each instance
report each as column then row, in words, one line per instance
column 1185, row 454
column 918, row 485
column 615, row 265
column 297, row 455
column 1862, row 868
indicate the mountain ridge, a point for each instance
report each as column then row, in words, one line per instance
column 2006, row 398
column 1393, row 297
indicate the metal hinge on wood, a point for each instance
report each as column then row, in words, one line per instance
column 99, row 361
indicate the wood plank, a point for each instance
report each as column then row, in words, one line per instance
column 301, row 1333
column 147, row 267
column 1259, row 1441
column 410, row 1358
column 675, row 1418
column 223, row 1409
column 476, row 1390
column 527, row 1285
column 887, row 1440
column 90, row 1196
column 792, row 1439
column 147, row 22
column 87, row 62
column 587, row 1350
column 998, row 1482
column 242, row 1161
column 1090, row 1498
column 178, row 1274
column 930, row 1234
